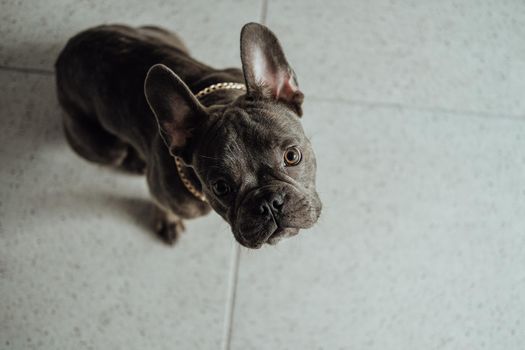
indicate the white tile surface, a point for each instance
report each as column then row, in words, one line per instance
column 34, row 32
column 421, row 156
column 79, row 268
column 451, row 54
column 420, row 245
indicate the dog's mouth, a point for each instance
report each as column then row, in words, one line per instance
column 281, row 233
column 273, row 238
column 271, row 213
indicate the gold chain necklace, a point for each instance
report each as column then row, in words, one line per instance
column 178, row 161
column 186, row 182
column 220, row 86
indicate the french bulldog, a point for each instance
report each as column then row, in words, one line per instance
column 230, row 140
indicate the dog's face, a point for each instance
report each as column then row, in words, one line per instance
column 256, row 166
column 258, row 172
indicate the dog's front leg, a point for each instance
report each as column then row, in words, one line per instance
column 167, row 191
column 168, row 226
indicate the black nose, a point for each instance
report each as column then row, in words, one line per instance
column 276, row 202
column 271, row 203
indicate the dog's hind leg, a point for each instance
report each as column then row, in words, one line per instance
column 133, row 162
column 91, row 141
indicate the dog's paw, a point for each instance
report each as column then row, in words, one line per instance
column 169, row 231
column 133, row 165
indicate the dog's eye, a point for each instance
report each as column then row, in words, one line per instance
column 292, row 156
column 221, row 188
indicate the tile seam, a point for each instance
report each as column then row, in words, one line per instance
column 234, row 273
column 394, row 105
column 391, row 105
column 26, row 70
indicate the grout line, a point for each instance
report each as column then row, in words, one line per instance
column 394, row 105
column 230, row 301
column 27, row 70
column 236, row 254
column 264, row 11
column 263, row 19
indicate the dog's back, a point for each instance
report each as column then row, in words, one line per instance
column 100, row 75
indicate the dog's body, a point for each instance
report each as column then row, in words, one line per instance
column 101, row 86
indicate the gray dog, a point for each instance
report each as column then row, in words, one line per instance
column 227, row 139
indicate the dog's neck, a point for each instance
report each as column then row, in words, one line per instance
column 183, row 170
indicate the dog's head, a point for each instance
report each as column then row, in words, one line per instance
column 255, row 164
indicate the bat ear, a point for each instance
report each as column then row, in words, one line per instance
column 177, row 110
column 266, row 71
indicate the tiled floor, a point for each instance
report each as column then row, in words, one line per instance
column 416, row 110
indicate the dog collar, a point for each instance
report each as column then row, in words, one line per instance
column 178, row 161
column 220, row 86
column 186, row 182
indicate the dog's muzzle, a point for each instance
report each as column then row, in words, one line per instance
column 270, row 213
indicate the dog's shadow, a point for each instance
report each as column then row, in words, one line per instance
column 139, row 212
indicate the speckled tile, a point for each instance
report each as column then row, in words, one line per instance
column 420, row 244
column 79, row 268
column 34, row 32
column 451, row 54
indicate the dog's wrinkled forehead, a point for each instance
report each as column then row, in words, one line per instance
column 241, row 137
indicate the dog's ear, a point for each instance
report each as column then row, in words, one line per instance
column 266, row 71
column 176, row 108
